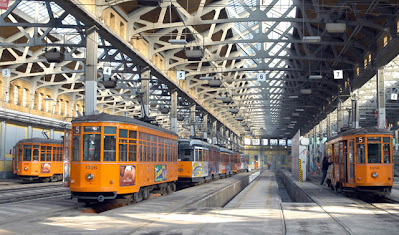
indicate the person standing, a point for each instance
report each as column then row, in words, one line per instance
column 268, row 165
column 324, row 169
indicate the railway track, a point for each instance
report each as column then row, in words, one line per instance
column 16, row 194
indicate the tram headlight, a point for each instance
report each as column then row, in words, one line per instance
column 89, row 176
column 375, row 174
column 26, row 168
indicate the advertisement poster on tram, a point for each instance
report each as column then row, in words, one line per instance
column 45, row 168
column 127, row 175
column 4, row 4
column 160, row 173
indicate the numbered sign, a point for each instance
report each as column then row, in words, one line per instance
column 6, row 73
column 261, row 77
column 181, row 75
column 338, row 74
column 107, row 71
column 394, row 96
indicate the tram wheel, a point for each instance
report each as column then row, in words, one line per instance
column 169, row 189
column 145, row 194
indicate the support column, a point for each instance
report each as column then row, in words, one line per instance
column 145, row 87
column 3, row 146
column 321, row 146
column 51, row 133
column 381, row 99
column 214, row 132
column 221, row 135
column 328, row 126
column 339, row 117
column 205, row 127
column 355, row 113
column 192, row 121
column 396, row 140
column 29, row 134
column 91, row 71
column 226, row 138
column 173, row 111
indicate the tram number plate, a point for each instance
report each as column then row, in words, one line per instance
column 88, row 167
column 374, row 167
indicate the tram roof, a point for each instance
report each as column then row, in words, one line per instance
column 363, row 131
column 40, row 141
column 104, row 117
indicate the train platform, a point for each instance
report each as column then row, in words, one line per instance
column 257, row 209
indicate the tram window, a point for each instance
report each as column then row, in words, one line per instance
column 110, row 130
column 91, row 147
column 27, row 153
column 20, row 153
column 132, row 153
column 149, row 137
column 43, row 153
column 147, row 153
column 122, row 150
column 374, row 139
column 161, row 154
column 360, row 153
column 48, row 154
column 109, row 148
column 387, row 140
column 133, row 135
column 76, row 148
column 92, row 128
column 140, row 152
column 200, row 155
column 351, row 151
column 387, row 154
column 35, row 154
column 374, row 153
column 122, row 133
column 160, row 140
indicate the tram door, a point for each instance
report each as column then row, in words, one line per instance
column 345, row 152
column 351, row 164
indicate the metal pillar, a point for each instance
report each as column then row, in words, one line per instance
column 381, row 99
column 29, row 135
column 145, row 87
column 205, row 127
column 192, row 121
column 340, row 117
column 328, row 126
column 91, row 71
column 51, row 133
column 355, row 113
column 214, row 132
column 396, row 140
column 173, row 111
column 3, row 147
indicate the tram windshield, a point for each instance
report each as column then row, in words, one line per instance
column 186, row 155
column 374, row 152
column 91, row 147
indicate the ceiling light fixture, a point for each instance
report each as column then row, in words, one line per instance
column 293, row 96
column 315, row 77
column 177, row 41
column 206, row 78
column 335, row 27
column 311, row 39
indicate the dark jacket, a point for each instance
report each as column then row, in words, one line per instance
column 326, row 164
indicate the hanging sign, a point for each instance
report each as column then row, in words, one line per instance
column 261, row 77
column 180, row 75
column 394, row 96
column 4, row 4
column 6, row 73
column 338, row 74
column 107, row 71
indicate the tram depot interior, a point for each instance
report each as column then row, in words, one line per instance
column 278, row 82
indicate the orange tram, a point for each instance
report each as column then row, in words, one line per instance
column 116, row 157
column 362, row 161
column 38, row 159
column 200, row 161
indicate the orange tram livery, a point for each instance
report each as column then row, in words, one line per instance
column 200, row 161
column 120, row 157
column 38, row 159
column 362, row 161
